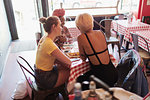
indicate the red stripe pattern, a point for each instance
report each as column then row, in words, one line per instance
column 74, row 34
column 146, row 35
column 123, row 27
column 74, row 31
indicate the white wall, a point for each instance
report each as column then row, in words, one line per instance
column 5, row 37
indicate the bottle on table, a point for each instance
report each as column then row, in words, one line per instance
column 92, row 92
column 77, row 91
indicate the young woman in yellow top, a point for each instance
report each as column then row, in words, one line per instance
column 52, row 66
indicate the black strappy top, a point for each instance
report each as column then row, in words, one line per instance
column 95, row 53
column 106, row 72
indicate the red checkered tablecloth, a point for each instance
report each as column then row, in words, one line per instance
column 123, row 27
column 146, row 35
column 80, row 67
column 74, row 31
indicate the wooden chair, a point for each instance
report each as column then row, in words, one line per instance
column 145, row 55
column 146, row 19
column 105, row 26
column 40, row 94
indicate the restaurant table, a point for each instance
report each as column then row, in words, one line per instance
column 124, row 28
column 121, row 95
column 146, row 35
column 79, row 67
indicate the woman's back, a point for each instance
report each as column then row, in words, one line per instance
column 92, row 45
column 101, row 65
column 99, row 44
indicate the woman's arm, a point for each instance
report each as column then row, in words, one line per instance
column 81, row 49
column 61, row 57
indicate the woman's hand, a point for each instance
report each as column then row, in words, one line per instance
column 60, row 64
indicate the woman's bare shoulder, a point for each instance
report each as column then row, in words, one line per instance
column 81, row 37
column 97, row 31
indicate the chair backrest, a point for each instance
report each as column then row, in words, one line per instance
column 28, row 69
column 131, row 75
column 127, row 65
column 40, row 94
column 67, row 18
column 135, row 41
column 146, row 19
column 105, row 26
column 119, row 17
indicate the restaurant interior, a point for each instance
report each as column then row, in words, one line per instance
column 125, row 24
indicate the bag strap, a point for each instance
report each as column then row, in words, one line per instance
column 93, row 48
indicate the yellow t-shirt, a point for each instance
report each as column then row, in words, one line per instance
column 44, row 59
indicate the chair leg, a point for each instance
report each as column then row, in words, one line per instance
column 121, row 39
column 38, row 96
column 45, row 96
column 32, row 97
column 147, row 64
column 112, row 47
column 117, row 35
column 52, row 96
column 64, row 92
column 119, row 50
column 147, row 72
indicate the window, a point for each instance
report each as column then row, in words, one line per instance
column 94, row 7
column 75, row 7
column 26, row 18
column 129, row 5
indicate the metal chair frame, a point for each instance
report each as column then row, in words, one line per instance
column 106, row 29
column 39, row 94
column 135, row 43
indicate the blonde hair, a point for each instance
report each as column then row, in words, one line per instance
column 84, row 22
